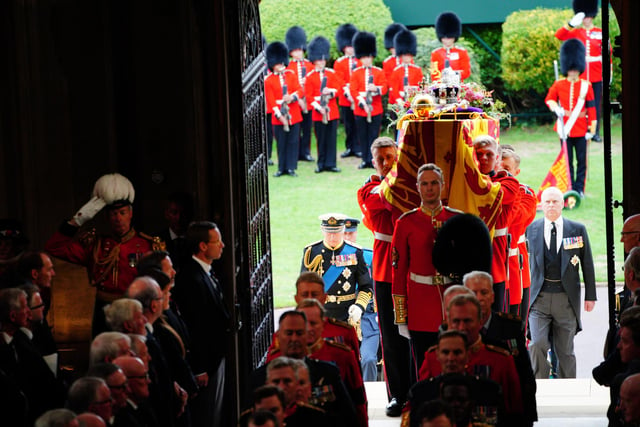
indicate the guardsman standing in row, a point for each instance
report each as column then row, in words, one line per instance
column 342, row 267
column 344, row 66
column 282, row 91
column 407, row 74
column 392, row 61
column 367, row 86
column 573, row 102
column 296, row 41
column 322, row 87
column 110, row 258
column 448, row 29
column 591, row 36
column 417, row 287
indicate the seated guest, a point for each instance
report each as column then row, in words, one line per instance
column 60, row 417
column 125, row 315
column 263, row 418
column 89, row 419
column 36, row 268
column 90, row 394
column 434, row 413
column 137, row 412
column 107, row 346
column 20, row 360
column 139, row 348
column 116, row 381
column 630, row 400
column 38, row 329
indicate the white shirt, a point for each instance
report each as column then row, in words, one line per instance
column 547, row 232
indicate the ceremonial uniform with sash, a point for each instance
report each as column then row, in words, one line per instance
column 346, row 277
column 276, row 85
column 322, row 88
column 417, row 288
column 573, row 101
column 344, row 67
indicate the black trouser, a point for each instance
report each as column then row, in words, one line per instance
column 395, row 348
column 579, row 173
column 304, row 149
column 269, row 127
column 421, row 342
column 597, row 94
column 326, row 138
column 287, row 143
column 367, row 132
column 351, row 135
column 500, row 297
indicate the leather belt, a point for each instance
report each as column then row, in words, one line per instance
column 594, row 58
column 522, row 239
column 340, row 298
column 514, row 252
column 382, row 236
column 552, row 280
column 500, row 232
column 429, row 280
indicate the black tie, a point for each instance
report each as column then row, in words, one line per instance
column 553, row 242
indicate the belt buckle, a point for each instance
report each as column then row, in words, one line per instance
column 331, row 298
column 438, row 280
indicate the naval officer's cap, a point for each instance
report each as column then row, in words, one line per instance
column 332, row 222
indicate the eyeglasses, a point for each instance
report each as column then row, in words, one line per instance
column 35, row 307
column 122, row 386
column 103, row 402
column 624, row 233
column 140, row 377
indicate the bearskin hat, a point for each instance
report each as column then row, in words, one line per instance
column 390, row 32
column 318, row 49
column 344, row 35
column 572, row 56
column 463, row 244
column 296, row 38
column 364, row 44
column 448, row 25
column 405, row 42
column 588, row 7
column 277, row 53
column 115, row 189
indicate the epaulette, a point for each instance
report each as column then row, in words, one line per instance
column 509, row 316
column 313, row 244
column 350, row 243
column 453, row 210
column 302, row 404
column 274, row 351
column 246, row 412
column 409, row 212
column 432, row 348
column 377, row 68
column 342, row 58
column 497, row 349
column 340, row 323
column 338, row 345
column 329, row 69
column 459, row 47
column 157, row 244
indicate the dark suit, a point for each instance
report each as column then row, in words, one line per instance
column 199, row 298
column 552, row 308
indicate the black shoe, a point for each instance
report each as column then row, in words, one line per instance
column 308, row 158
column 279, row 173
column 291, row 172
column 394, row 408
column 347, row 153
column 596, row 138
column 333, row 169
column 358, row 154
column 270, row 162
column 318, row 169
column 364, row 165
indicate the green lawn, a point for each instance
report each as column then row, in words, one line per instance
column 296, row 202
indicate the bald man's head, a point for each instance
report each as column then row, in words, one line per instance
column 630, row 235
column 89, row 419
column 630, row 399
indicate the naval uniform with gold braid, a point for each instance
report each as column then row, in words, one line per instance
column 345, row 273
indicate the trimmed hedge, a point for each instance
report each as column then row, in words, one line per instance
column 322, row 18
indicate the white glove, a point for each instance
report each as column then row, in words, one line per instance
column 588, row 136
column 576, row 20
column 355, row 314
column 89, row 210
column 403, row 330
column 559, row 111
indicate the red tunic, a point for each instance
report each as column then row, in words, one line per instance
column 312, row 92
column 396, row 81
column 377, row 217
column 111, row 262
column 412, row 243
column 523, row 215
column 273, row 94
column 389, row 64
column 483, row 360
column 510, row 189
column 458, row 60
column 566, row 94
column 344, row 66
column 592, row 40
column 358, row 87
column 522, row 246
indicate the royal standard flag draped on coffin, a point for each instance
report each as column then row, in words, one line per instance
column 448, row 144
